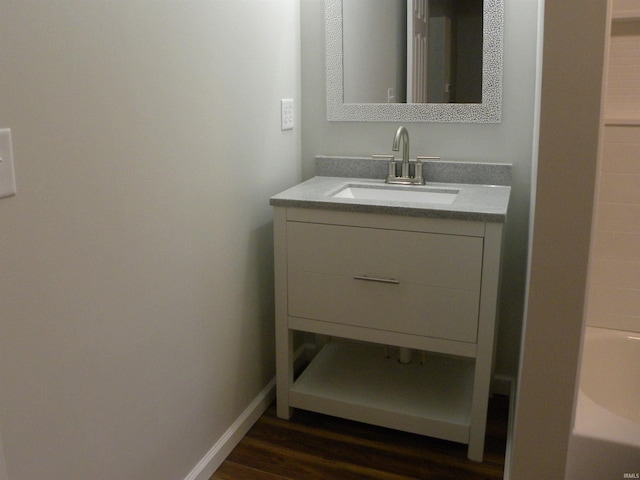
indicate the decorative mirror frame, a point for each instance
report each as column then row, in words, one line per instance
column 489, row 111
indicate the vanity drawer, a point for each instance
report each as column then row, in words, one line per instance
column 330, row 268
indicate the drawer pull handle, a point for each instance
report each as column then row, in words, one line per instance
column 375, row 279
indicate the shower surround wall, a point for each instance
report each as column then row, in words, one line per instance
column 614, row 291
column 614, row 278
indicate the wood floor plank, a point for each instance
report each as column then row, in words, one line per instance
column 319, row 447
column 298, row 464
column 408, row 454
column 233, row 471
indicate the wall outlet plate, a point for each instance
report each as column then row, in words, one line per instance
column 286, row 110
column 7, row 174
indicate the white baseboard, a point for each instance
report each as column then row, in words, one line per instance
column 223, row 447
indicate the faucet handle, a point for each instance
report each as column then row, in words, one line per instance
column 417, row 174
column 419, row 178
column 391, row 158
column 392, row 164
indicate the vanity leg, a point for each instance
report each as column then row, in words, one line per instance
column 284, row 373
column 284, row 336
column 487, row 320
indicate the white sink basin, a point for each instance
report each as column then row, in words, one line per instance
column 399, row 194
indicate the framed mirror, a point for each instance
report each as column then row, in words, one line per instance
column 414, row 60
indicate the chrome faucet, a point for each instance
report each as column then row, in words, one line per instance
column 402, row 135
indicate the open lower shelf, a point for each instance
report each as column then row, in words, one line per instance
column 356, row 381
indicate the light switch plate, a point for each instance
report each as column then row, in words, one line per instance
column 7, row 174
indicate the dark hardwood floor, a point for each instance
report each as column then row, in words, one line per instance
column 312, row 447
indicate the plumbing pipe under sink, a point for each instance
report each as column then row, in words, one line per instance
column 404, row 355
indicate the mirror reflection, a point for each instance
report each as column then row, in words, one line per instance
column 412, row 51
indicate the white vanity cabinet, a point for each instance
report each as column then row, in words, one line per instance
column 373, row 282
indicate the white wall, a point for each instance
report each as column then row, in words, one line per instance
column 136, row 260
column 508, row 142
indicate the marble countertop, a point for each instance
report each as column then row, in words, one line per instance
column 474, row 202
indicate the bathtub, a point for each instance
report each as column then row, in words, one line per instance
column 605, row 442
